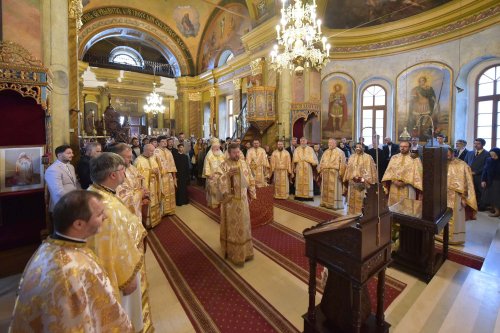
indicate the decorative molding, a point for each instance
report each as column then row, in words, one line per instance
column 257, row 66
column 95, row 19
column 213, row 92
column 304, row 110
column 194, row 97
column 21, row 72
column 427, row 35
column 75, row 12
column 237, row 84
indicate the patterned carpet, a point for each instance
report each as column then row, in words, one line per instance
column 214, row 296
column 286, row 247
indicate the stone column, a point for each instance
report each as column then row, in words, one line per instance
column 284, row 90
column 195, row 114
column 214, row 119
column 237, row 96
column 55, row 57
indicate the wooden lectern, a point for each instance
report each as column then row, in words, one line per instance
column 420, row 221
column 354, row 249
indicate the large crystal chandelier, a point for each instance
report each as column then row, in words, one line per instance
column 154, row 103
column 299, row 38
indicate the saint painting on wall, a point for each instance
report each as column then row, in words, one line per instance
column 337, row 106
column 21, row 168
column 423, row 101
column 187, row 20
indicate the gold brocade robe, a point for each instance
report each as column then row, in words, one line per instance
column 119, row 244
column 259, row 164
column 64, row 289
column 281, row 168
column 460, row 185
column 149, row 169
column 304, row 159
column 120, row 248
column 211, row 166
column 360, row 173
column 332, row 168
column 235, row 232
column 131, row 191
column 408, row 170
column 168, row 170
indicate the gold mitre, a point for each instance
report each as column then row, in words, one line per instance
column 214, row 142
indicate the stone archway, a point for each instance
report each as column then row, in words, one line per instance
column 97, row 21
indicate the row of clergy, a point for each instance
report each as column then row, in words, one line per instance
column 402, row 179
column 90, row 275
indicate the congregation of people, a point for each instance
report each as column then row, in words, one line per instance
column 94, row 258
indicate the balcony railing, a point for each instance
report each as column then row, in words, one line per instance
column 160, row 69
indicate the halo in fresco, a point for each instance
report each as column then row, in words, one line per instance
column 187, row 20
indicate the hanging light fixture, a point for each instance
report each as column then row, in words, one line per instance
column 299, row 38
column 154, row 101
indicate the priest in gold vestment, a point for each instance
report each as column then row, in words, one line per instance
column 168, row 171
column 258, row 163
column 403, row 175
column 131, row 191
column 120, row 244
column 359, row 175
column 148, row 168
column 64, row 288
column 212, row 162
column 281, row 170
column 461, row 198
column 235, row 184
column 304, row 159
column 331, row 168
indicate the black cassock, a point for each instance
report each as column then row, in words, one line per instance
column 182, row 165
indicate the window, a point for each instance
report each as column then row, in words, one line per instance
column 373, row 111
column 225, row 57
column 125, row 55
column 231, row 116
column 487, row 116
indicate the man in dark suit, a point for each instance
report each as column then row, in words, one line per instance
column 460, row 150
column 381, row 165
column 136, row 148
column 476, row 159
column 92, row 149
column 290, row 150
column 390, row 149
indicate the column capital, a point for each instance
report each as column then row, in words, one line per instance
column 213, row 92
column 75, row 9
column 194, row 96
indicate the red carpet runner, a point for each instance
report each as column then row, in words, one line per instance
column 286, row 247
column 215, row 297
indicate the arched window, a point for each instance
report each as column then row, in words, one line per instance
column 488, row 107
column 126, row 56
column 225, row 57
column 373, row 111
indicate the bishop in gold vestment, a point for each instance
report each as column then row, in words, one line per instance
column 212, row 163
column 258, row 163
column 234, row 184
column 332, row 168
column 461, row 196
column 281, row 170
column 150, row 171
column 168, row 171
column 304, row 159
column 404, row 174
column 360, row 173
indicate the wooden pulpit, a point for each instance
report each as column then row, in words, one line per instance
column 353, row 249
column 420, row 221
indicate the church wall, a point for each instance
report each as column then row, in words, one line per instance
column 457, row 54
column 22, row 23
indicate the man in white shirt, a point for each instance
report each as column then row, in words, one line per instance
column 60, row 176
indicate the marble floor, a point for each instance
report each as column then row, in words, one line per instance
column 458, row 299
